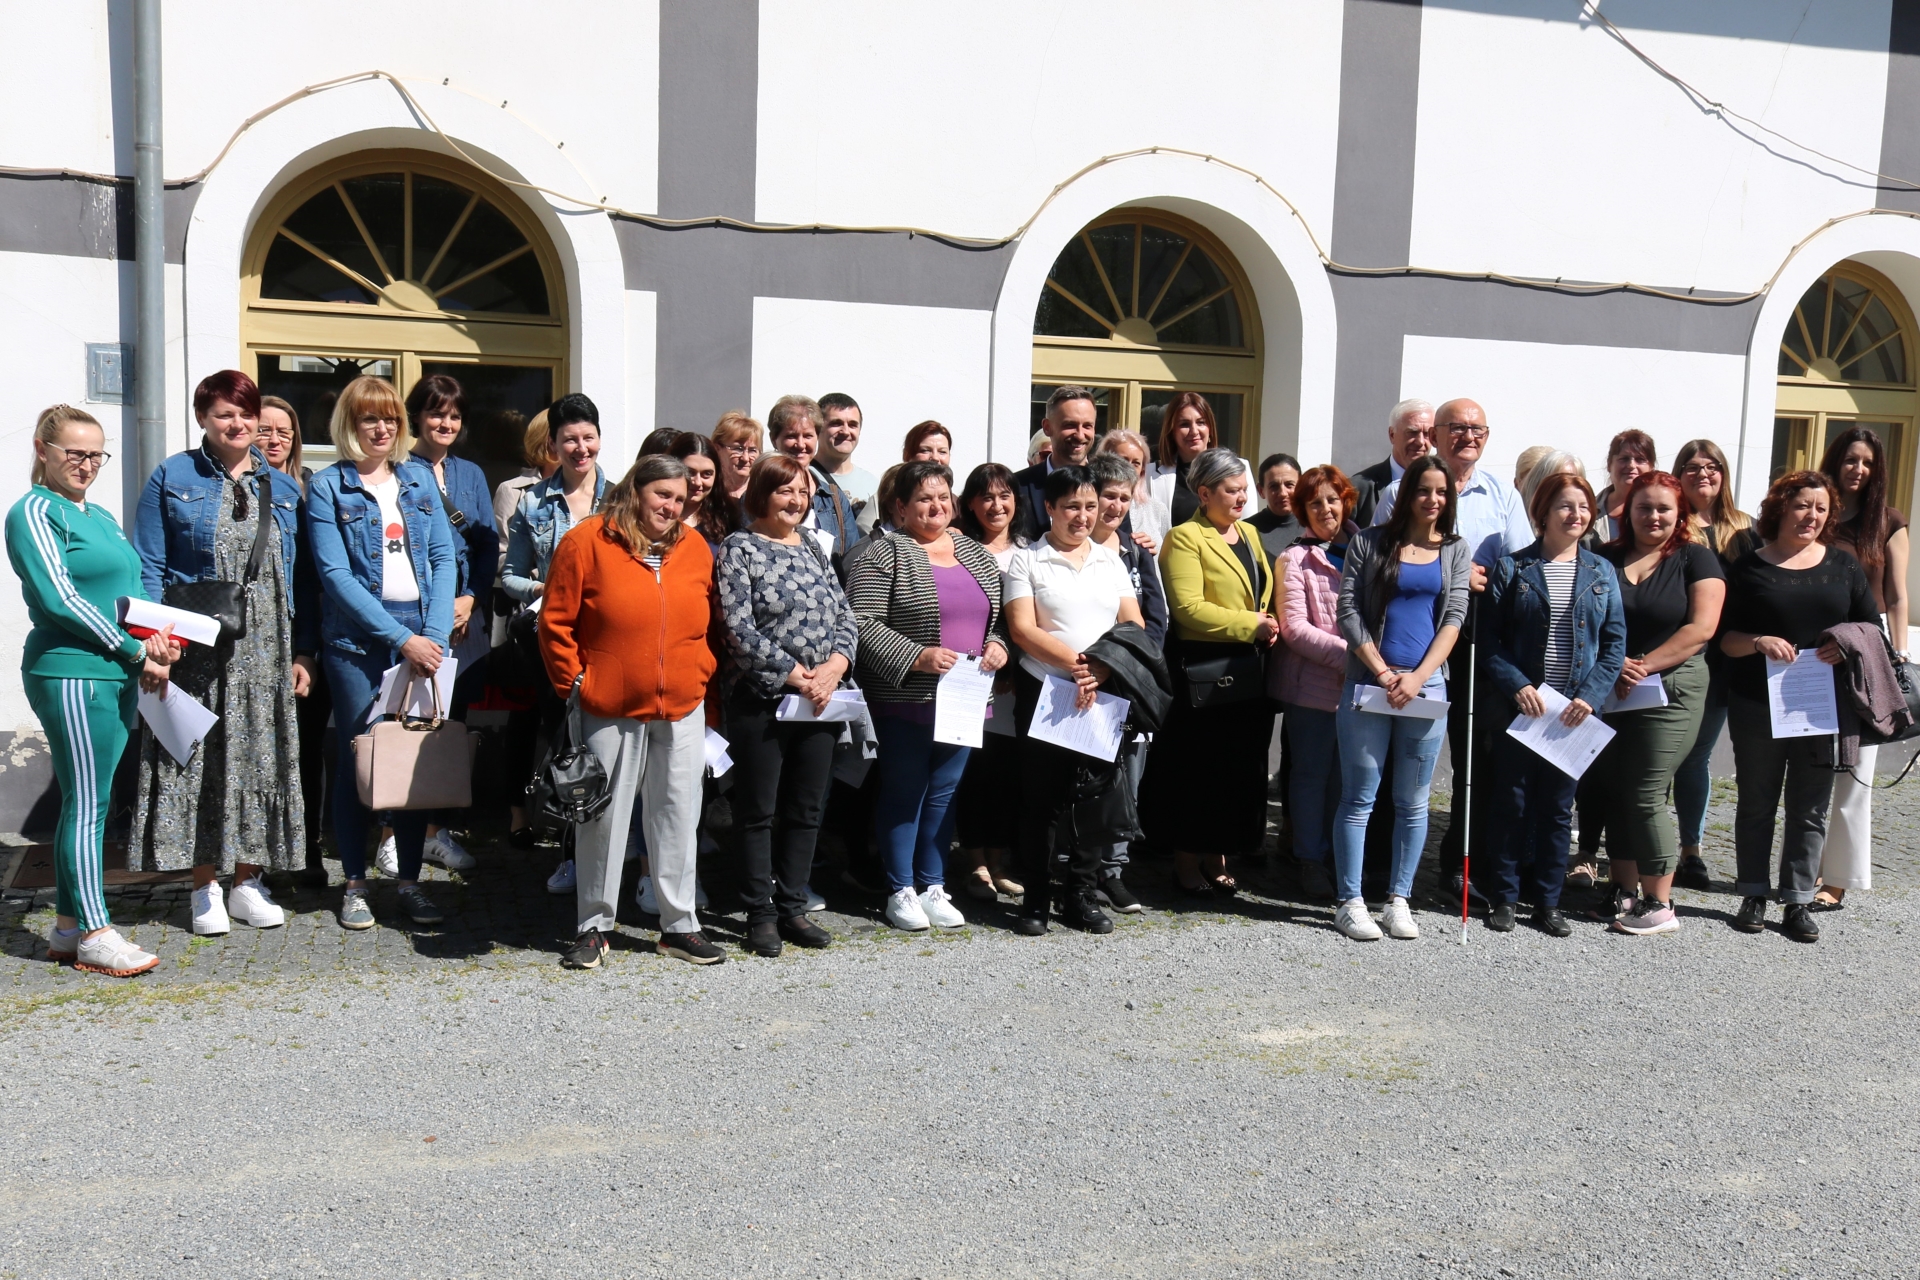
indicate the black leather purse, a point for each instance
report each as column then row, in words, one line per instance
column 226, row 602
column 1220, row 674
column 571, row 786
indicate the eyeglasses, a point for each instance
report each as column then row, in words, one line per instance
column 1467, row 429
column 1701, row 469
column 741, row 449
column 77, row 458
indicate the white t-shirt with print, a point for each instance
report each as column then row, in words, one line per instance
column 1075, row 606
column 397, row 580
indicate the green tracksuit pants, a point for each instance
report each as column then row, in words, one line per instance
column 87, row 723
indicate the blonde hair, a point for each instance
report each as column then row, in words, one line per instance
column 1112, row 442
column 368, row 394
column 536, row 447
column 1524, row 464
column 734, row 424
column 293, row 454
column 1725, row 520
column 47, row 429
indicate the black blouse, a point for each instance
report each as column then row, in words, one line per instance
column 1795, row 604
column 1657, row 606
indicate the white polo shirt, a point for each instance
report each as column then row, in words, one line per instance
column 1075, row 606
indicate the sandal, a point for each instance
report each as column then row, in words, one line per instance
column 1224, row 885
column 1821, row 902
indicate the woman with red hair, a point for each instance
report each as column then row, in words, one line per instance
column 1671, row 589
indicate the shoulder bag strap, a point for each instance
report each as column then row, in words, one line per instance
column 258, row 555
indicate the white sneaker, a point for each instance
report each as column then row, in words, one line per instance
column 938, row 908
column 109, row 953
column 210, row 911
column 446, row 851
column 905, row 912
column 649, row 901
column 814, row 901
column 561, row 881
column 1354, row 921
column 386, row 860
column 250, row 903
column 1398, row 920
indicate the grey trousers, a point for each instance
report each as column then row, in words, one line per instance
column 661, row 761
column 1763, row 766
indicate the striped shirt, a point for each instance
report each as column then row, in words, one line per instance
column 73, row 564
column 1559, row 575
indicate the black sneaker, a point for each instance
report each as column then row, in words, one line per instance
column 1552, row 920
column 1500, row 918
column 1693, row 874
column 586, row 952
column 1753, row 915
column 801, row 931
column 1118, row 896
column 691, row 947
column 1031, row 926
column 1082, row 912
column 763, row 939
column 1799, row 924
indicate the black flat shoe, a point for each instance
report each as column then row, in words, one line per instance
column 1500, row 919
column 1030, row 926
column 763, row 939
column 1753, row 915
column 1693, row 874
column 1552, row 920
column 803, row 932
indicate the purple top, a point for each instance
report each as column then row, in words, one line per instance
column 964, row 610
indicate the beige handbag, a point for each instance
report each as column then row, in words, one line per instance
column 409, row 763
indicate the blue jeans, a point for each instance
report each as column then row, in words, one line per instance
column 914, row 812
column 1366, row 739
column 1693, row 780
column 1313, row 792
column 354, row 679
column 1533, row 815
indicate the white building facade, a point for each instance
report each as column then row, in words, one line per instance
column 1305, row 209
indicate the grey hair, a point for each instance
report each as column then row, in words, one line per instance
column 1211, row 468
column 1111, row 468
column 1553, row 462
column 1406, row 409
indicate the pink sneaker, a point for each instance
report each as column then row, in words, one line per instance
column 1648, row 916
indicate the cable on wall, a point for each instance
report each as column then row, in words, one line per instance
column 1578, row 289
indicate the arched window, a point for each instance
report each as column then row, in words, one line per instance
column 1846, row 360
column 1142, row 304
column 401, row 266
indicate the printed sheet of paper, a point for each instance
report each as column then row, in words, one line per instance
column 1094, row 732
column 186, row 624
column 718, row 761
column 960, row 704
column 1800, row 697
column 1371, row 697
column 845, row 704
column 179, row 722
column 417, row 692
column 1649, row 693
column 1570, row 750
column 1001, row 722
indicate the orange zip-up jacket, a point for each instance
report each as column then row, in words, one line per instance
column 640, row 636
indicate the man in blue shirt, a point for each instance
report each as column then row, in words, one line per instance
column 1494, row 522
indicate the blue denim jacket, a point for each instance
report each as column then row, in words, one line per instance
column 178, row 518
column 343, row 528
column 478, row 540
column 1513, row 628
column 538, row 524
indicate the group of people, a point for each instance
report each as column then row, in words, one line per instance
column 762, row 587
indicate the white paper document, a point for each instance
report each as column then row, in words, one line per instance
column 415, row 690
column 1649, row 693
column 960, row 704
column 1570, row 750
column 845, row 704
column 178, row 720
column 1094, row 732
column 718, row 761
column 1800, row 697
column 1371, row 697
column 1002, row 720
column 186, row 624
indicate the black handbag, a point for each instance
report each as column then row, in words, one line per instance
column 1102, row 811
column 226, row 602
column 1221, row 674
column 571, row 786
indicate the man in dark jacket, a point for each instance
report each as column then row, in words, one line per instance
column 1409, row 434
column 1070, row 426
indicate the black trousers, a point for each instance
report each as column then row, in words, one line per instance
column 311, row 714
column 1046, row 788
column 781, row 771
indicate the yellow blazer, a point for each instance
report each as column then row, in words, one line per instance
column 1208, row 593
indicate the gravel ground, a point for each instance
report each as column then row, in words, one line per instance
column 1215, row 1090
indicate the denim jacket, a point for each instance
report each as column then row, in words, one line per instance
column 178, row 518
column 538, row 524
column 478, row 539
column 1513, row 635
column 343, row 528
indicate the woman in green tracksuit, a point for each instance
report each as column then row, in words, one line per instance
column 80, row 669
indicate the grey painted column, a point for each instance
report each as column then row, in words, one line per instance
column 1372, row 215
column 1900, row 129
column 709, row 104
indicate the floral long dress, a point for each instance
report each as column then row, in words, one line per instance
column 238, row 799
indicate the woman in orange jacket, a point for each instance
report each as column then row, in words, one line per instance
column 628, row 606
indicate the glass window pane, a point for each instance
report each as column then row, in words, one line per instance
column 1887, row 363
column 380, row 199
column 501, row 399
column 323, row 222
column 1115, row 246
column 1215, row 324
column 294, row 275
column 519, row 287
column 1073, row 271
column 487, row 235
column 1785, row 430
column 436, row 207
column 311, row 384
column 1159, row 250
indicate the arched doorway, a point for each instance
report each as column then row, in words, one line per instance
column 1141, row 304
column 400, row 265
column 1846, row 359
